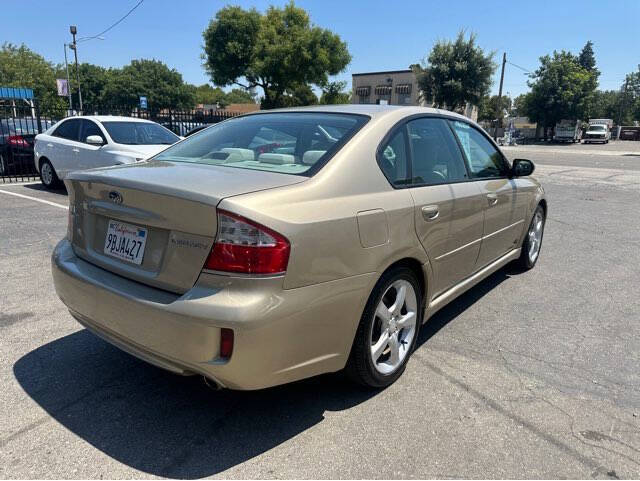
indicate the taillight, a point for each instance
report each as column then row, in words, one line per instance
column 17, row 141
column 247, row 247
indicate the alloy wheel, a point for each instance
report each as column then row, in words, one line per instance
column 394, row 326
column 535, row 236
column 47, row 173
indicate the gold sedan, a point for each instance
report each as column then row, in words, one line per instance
column 285, row 244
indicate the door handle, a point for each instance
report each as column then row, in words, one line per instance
column 430, row 212
column 76, row 150
column 492, row 198
column 49, row 145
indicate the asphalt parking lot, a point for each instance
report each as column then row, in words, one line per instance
column 532, row 375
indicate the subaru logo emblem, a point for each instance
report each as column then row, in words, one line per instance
column 115, row 197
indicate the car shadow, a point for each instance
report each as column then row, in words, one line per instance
column 41, row 188
column 172, row 426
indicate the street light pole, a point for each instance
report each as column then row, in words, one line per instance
column 74, row 46
column 66, row 66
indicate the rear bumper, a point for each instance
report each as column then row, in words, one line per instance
column 279, row 335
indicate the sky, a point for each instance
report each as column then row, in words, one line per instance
column 381, row 35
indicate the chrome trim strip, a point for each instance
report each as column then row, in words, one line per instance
column 503, row 229
column 443, row 299
column 458, row 249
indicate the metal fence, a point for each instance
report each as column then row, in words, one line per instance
column 21, row 121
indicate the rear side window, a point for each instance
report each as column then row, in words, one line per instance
column 435, row 155
column 393, row 159
column 69, row 129
column 285, row 142
column 484, row 160
column 90, row 128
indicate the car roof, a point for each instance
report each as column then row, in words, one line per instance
column 112, row 118
column 372, row 110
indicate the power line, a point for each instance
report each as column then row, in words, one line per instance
column 518, row 66
column 85, row 39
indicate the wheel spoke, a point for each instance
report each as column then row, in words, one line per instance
column 406, row 321
column 401, row 293
column 384, row 313
column 394, row 346
column 381, row 344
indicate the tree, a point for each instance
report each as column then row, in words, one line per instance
column 278, row 51
column 587, row 59
column 239, row 96
column 163, row 87
column 560, row 89
column 208, row 95
column 494, row 107
column 455, row 73
column 22, row 67
column 332, row 93
column 299, row 95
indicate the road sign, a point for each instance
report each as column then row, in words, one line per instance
column 143, row 102
column 63, row 87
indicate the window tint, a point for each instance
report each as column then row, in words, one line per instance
column 289, row 143
column 90, row 128
column 435, row 155
column 139, row 133
column 483, row 158
column 393, row 159
column 69, row 129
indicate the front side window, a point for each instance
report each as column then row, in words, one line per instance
column 90, row 128
column 139, row 133
column 291, row 143
column 483, row 159
column 435, row 156
column 69, row 129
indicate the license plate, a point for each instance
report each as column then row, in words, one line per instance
column 125, row 241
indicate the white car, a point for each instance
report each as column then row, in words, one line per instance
column 86, row 142
column 597, row 133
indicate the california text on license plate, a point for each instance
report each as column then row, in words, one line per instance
column 125, row 241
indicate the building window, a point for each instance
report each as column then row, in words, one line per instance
column 403, row 91
column 383, row 94
column 363, row 94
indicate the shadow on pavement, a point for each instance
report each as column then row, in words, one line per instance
column 168, row 425
column 42, row 188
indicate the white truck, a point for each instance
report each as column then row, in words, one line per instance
column 568, row 131
column 599, row 131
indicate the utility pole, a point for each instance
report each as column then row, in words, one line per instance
column 73, row 30
column 66, row 66
column 495, row 130
column 623, row 104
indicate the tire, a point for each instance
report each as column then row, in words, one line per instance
column 48, row 175
column 606, row 141
column 534, row 236
column 3, row 166
column 380, row 317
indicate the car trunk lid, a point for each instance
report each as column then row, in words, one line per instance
column 172, row 205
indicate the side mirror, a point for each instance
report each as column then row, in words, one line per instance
column 522, row 168
column 95, row 140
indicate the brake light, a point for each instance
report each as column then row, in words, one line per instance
column 17, row 141
column 247, row 247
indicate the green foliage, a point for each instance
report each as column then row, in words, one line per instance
column 494, row 107
column 279, row 51
column 455, row 73
column 21, row 67
column 333, row 93
column 239, row 96
column 298, row 95
column 162, row 86
column 561, row 88
column 587, row 59
column 208, row 95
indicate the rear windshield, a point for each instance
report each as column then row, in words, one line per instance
column 140, row 133
column 289, row 143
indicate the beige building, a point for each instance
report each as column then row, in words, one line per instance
column 393, row 87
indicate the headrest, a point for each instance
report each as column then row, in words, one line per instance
column 238, row 155
column 310, row 157
column 270, row 158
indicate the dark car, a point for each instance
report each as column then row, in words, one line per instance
column 16, row 145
